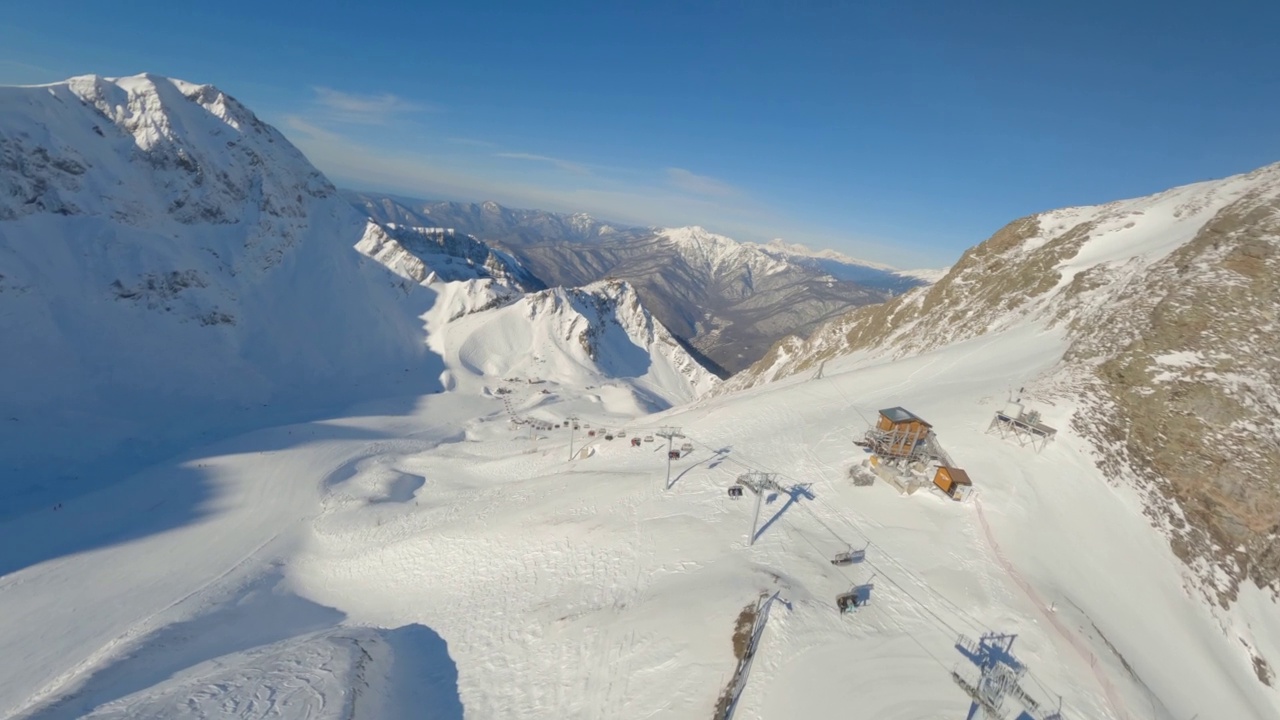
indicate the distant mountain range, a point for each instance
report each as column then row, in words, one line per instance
column 728, row 301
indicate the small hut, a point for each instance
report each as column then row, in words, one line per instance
column 953, row 481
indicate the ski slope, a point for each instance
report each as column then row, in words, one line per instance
column 373, row 550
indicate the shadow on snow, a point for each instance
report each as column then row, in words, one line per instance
column 261, row 642
column 793, row 496
column 125, row 504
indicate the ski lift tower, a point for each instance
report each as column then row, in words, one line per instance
column 758, row 483
column 670, row 433
column 998, row 676
column 572, row 422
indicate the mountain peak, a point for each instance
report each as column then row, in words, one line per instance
column 204, row 258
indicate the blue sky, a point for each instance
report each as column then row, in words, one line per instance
column 902, row 132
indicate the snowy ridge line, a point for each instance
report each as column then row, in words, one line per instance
column 1113, row 698
column 944, row 625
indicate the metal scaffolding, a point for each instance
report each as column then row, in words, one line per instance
column 997, row 679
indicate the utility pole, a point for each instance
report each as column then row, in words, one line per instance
column 670, row 433
column 758, row 483
column 572, row 422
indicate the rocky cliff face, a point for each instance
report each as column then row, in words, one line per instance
column 1166, row 308
column 728, row 301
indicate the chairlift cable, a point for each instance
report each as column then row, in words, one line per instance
column 975, row 623
column 942, row 623
column 923, row 605
column 962, row 613
column 870, row 542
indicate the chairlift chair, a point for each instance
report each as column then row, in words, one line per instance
column 849, row 557
column 648, row 438
column 854, row 599
column 608, row 437
column 735, row 491
column 673, row 454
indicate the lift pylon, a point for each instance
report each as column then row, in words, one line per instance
column 670, row 433
column 997, row 679
column 758, row 483
column 572, row 422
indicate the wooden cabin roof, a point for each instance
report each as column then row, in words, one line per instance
column 898, row 415
column 958, row 476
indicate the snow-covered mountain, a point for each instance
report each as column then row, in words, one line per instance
column 167, row 262
column 427, row 254
column 171, row 268
column 844, row 267
column 1163, row 312
column 490, row 221
column 728, row 300
column 599, row 335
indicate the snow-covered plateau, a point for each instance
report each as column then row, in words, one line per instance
column 459, row 501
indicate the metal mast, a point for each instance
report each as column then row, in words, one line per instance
column 572, row 421
column 670, row 433
column 997, row 678
column 758, row 483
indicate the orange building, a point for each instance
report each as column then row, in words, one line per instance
column 900, row 431
column 953, row 481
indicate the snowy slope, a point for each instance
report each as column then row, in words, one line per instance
column 526, row 585
column 169, row 264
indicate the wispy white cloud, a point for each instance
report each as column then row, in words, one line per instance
column 687, row 181
column 357, row 109
column 566, row 165
column 310, row 132
column 471, row 142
